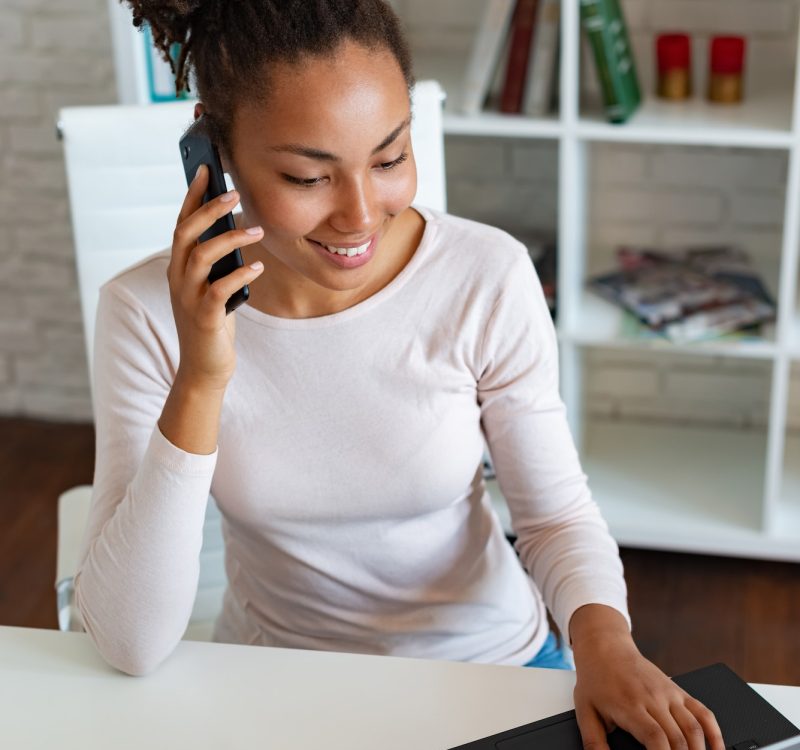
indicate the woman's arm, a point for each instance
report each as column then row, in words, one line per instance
column 562, row 538
column 137, row 580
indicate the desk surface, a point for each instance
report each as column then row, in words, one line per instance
column 55, row 691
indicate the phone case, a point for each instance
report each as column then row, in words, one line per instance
column 197, row 148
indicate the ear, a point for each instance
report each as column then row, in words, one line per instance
column 199, row 108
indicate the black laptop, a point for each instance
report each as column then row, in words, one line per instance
column 746, row 720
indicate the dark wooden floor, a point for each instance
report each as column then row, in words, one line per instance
column 687, row 610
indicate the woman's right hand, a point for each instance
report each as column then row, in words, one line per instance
column 206, row 334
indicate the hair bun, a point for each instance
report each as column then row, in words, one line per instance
column 162, row 12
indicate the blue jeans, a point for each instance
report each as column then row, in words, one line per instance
column 551, row 656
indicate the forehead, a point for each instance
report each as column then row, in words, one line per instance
column 349, row 100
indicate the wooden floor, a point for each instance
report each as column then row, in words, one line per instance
column 687, row 610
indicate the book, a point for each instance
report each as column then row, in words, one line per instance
column 604, row 25
column 519, row 52
column 486, row 50
column 688, row 295
column 541, row 77
column 492, row 101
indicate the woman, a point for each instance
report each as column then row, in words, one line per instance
column 338, row 418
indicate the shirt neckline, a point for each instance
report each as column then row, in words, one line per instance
column 324, row 321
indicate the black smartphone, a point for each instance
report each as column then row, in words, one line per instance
column 196, row 149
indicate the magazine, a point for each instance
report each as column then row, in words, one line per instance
column 688, row 295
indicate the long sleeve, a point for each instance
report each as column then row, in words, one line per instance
column 563, row 541
column 139, row 567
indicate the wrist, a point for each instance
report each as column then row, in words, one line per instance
column 192, row 385
column 594, row 624
column 191, row 414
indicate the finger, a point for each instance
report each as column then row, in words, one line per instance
column 647, row 730
column 689, row 725
column 191, row 202
column 671, row 729
column 198, row 266
column 223, row 289
column 707, row 721
column 592, row 728
column 194, row 195
column 188, row 230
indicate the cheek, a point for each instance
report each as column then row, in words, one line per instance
column 282, row 212
column 397, row 194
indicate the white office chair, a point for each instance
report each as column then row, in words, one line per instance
column 126, row 186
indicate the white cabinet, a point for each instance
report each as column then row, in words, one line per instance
column 689, row 485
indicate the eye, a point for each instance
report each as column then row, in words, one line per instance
column 311, row 182
column 386, row 166
column 301, row 182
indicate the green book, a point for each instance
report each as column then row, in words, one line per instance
column 607, row 33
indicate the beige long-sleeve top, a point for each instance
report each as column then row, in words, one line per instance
column 348, row 470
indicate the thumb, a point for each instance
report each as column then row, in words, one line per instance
column 592, row 728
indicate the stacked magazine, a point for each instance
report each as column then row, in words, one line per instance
column 688, row 295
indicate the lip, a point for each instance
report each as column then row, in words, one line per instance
column 344, row 261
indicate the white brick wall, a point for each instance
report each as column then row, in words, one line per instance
column 51, row 55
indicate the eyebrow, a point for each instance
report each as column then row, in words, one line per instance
column 315, row 153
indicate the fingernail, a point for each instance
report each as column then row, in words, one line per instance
column 257, row 266
column 229, row 196
column 254, row 230
column 197, row 173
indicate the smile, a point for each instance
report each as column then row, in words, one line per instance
column 347, row 257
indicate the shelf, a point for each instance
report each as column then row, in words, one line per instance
column 496, row 124
column 763, row 120
column 794, row 336
column 686, row 489
column 602, row 324
column 788, row 514
column 682, row 488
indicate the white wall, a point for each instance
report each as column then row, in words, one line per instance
column 51, row 54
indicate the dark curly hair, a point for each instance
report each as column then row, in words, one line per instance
column 229, row 44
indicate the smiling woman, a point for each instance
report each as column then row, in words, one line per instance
column 339, row 418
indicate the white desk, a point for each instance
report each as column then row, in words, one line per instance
column 56, row 692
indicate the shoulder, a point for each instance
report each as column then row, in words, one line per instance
column 474, row 244
column 474, row 253
column 134, row 325
column 142, row 287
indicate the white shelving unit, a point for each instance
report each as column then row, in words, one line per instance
column 716, row 491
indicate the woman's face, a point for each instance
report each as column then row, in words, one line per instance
column 327, row 162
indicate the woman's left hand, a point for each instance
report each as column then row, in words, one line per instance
column 617, row 687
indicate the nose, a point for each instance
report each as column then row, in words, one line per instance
column 356, row 210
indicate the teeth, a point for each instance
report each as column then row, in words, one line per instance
column 348, row 251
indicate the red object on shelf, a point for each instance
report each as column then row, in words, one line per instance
column 727, row 54
column 521, row 34
column 674, row 60
column 673, row 51
column 726, row 78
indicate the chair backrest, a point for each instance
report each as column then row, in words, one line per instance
column 126, row 186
